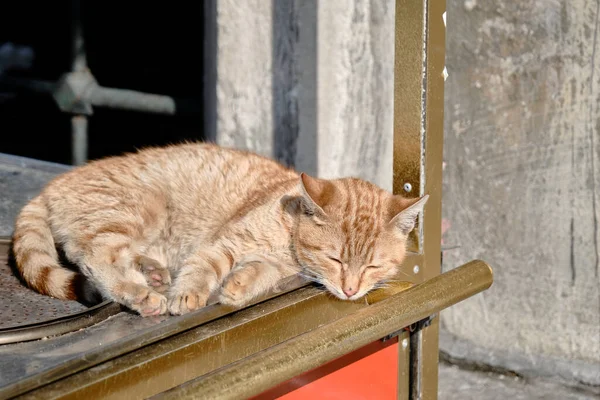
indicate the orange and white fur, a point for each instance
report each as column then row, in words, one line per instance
column 163, row 229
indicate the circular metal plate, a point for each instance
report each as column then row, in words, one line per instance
column 22, row 306
column 28, row 315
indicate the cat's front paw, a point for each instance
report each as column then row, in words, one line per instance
column 147, row 302
column 237, row 288
column 185, row 301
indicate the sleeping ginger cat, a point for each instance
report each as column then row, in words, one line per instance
column 214, row 219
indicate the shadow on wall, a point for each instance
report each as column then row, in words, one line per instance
column 294, row 85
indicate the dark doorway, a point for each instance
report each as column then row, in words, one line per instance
column 154, row 47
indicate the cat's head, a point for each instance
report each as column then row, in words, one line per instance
column 351, row 235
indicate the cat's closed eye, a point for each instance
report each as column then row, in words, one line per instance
column 372, row 266
column 335, row 260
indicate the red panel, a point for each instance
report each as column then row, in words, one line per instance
column 368, row 373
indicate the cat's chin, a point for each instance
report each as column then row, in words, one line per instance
column 356, row 296
column 346, row 298
column 338, row 293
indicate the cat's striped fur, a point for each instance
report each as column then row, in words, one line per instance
column 213, row 219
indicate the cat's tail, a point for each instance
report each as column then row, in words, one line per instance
column 36, row 257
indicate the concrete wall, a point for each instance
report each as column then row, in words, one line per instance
column 307, row 82
column 521, row 183
column 310, row 83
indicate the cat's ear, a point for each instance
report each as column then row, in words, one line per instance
column 405, row 212
column 316, row 193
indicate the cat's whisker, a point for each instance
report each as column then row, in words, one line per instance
column 381, row 286
column 313, row 276
column 315, row 273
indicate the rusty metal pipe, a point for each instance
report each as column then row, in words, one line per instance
column 262, row 371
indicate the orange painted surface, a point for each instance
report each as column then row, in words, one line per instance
column 368, row 373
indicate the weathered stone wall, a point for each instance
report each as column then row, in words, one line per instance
column 310, row 83
column 307, row 82
column 521, row 183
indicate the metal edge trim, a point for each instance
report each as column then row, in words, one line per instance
column 39, row 165
column 159, row 358
column 59, row 326
column 171, row 326
column 264, row 370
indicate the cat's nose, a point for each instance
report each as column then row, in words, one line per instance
column 350, row 291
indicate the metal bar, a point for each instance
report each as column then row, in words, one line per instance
column 120, row 343
column 60, row 326
column 418, row 146
column 131, row 100
column 255, row 374
column 403, row 366
column 409, row 160
column 78, row 54
column 28, row 85
column 409, row 106
column 433, row 144
column 99, row 96
column 79, row 123
column 416, row 356
column 79, row 139
column 202, row 349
